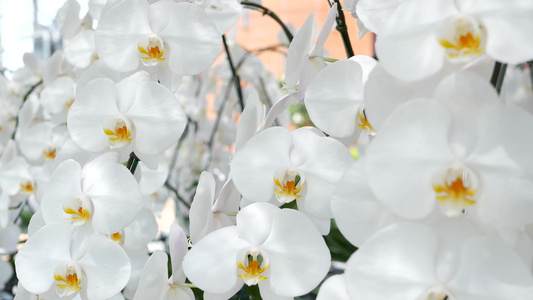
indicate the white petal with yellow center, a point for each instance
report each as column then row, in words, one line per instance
column 253, row 263
column 68, row 279
column 463, row 39
column 119, row 131
column 288, row 185
column 456, row 190
column 151, row 50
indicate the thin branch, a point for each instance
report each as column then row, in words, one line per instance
column 266, row 11
column 23, row 101
column 497, row 76
column 132, row 162
column 178, row 196
column 343, row 29
column 235, row 75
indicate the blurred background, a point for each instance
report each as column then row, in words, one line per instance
column 28, row 26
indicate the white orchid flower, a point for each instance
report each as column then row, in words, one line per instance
column 301, row 165
column 278, row 249
column 180, row 35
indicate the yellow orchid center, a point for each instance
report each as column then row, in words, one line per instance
column 117, row 237
column 288, row 186
column 463, row 39
column 456, row 192
column 253, row 267
column 69, row 104
column 49, row 153
column 78, row 210
column 152, row 50
column 363, row 123
column 67, row 284
column 118, row 131
column 26, row 187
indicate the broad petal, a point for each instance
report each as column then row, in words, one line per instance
column 154, row 278
column 490, row 270
column 400, row 170
column 85, row 121
column 323, row 170
column 158, row 119
column 508, row 25
column 199, row 214
column 254, row 222
column 298, row 48
column 356, row 210
column 333, row 288
column 64, row 184
column 299, row 257
column 116, row 198
column 118, row 33
column 211, row 264
column 503, row 161
column 37, row 260
column 396, row 263
column 179, row 246
column 253, row 174
column 106, row 266
column 333, row 97
column 193, row 38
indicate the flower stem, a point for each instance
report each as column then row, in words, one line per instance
column 343, row 29
column 497, row 76
column 178, row 196
column 243, row 292
column 234, row 72
column 132, row 162
column 24, row 100
column 266, row 11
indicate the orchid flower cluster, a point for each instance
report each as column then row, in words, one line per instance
column 421, row 156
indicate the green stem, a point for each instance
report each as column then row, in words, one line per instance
column 531, row 73
column 24, row 100
column 266, row 11
column 235, row 75
column 497, row 76
column 178, row 196
column 243, row 292
column 132, row 162
column 343, row 29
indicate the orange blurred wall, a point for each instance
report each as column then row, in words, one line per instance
column 257, row 31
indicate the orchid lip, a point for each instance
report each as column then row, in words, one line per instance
column 463, row 39
column 152, row 50
column 455, row 190
column 119, row 131
column 288, row 185
column 253, row 263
